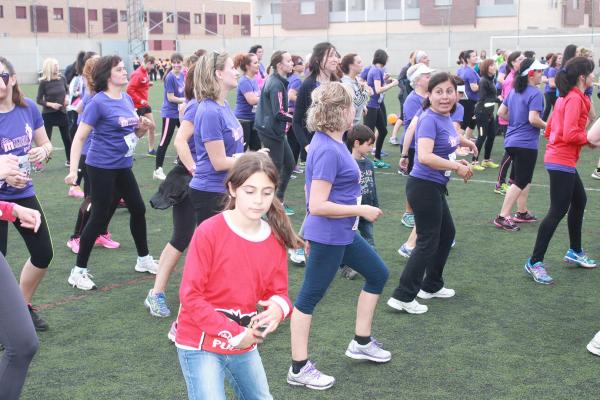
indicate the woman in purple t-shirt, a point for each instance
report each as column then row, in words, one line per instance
column 554, row 63
column 437, row 140
column 522, row 108
column 333, row 202
column 117, row 128
column 248, row 95
column 22, row 126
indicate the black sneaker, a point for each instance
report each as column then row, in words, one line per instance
column 39, row 324
column 505, row 223
column 524, row 217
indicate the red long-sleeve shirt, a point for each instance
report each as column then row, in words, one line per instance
column 224, row 277
column 565, row 130
column 6, row 211
column 137, row 88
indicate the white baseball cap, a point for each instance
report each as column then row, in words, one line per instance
column 535, row 66
column 416, row 71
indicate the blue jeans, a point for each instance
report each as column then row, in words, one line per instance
column 205, row 372
column 323, row 262
column 366, row 231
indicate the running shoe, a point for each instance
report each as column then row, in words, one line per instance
column 489, row 164
column 580, row 259
column 159, row 174
column 157, row 304
column 297, row 256
column 443, row 293
column 402, row 172
column 394, row 141
column 405, row 251
column 302, row 164
column 76, row 192
column 107, row 242
column 81, row 280
column 310, row 377
column 383, row 153
column 298, row 170
column 292, row 177
column 505, row 223
column 152, row 153
column 146, row 264
column 408, row 220
column 289, row 211
column 378, row 164
column 524, row 217
column 67, row 164
column 348, row 272
column 538, row 272
column 475, row 166
column 594, row 345
column 73, row 244
column 373, row 351
column 596, row 174
column 172, row 334
column 501, row 189
column 411, row 307
column 39, row 324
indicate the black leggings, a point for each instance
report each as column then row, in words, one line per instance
column 435, row 232
column 169, row 125
column 469, row 115
column 58, row 118
column 17, row 334
column 38, row 243
column 523, row 161
column 550, row 101
column 206, row 204
column 105, row 184
column 487, row 134
column 294, row 145
column 376, row 118
column 183, row 224
column 72, row 123
column 504, row 166
column 251, row 140
column 281, row 154
column 567, row 194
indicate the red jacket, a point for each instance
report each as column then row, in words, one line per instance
column 137, row 88
column 565, row 130
column 6, row 211
column 224, row 277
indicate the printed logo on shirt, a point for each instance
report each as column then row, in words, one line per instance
column 238, row 133
column 21, row 141
column 237, row 316
column 453, row 140
column 131, row 121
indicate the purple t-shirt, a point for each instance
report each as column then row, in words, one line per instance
column 214, row 122
column 459, row 114
column 501, row 69
column 330, row 161
column 365, row 73
column 84, row 102
column 17, row 128
column 114, row 122
column 173, row 84
column 243, row 110
column 520, row 132
column 559, row 167
column 375, row 74
column 190, row 115
column 412, row 105
column 550, row 73
column 439, row 128
column 470, row 76
column 294, row 82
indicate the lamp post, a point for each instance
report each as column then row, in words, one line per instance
column 258, row 18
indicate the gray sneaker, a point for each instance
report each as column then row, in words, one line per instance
column 157, row 304
column 348, row 272
column 310, row 377
column 373, row 351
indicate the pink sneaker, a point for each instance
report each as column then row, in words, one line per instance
column 75, row 191
column 107, row 242
column 73, row 244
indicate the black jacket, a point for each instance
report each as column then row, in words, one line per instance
column 303, row 102
column 487, row 94
column 272, row 112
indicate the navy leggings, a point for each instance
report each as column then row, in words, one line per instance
column 17, row 334
column 324, row 261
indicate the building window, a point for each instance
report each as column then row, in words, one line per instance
column 21, row 12
column 93, row 15
column 442, row 3
column 236, row 19
column 307, row 7
column 499, row 2
column 246, row 26
column 221, row 19
column 275, row 8
column 123, row 16
column 170, row 17
column 211, row 23
column 1, row 11
column 337, row 5
column 412, row 3
column 197, row 18
column 57, row 14
column 575, row 4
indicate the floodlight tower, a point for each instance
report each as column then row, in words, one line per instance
column 135, row 29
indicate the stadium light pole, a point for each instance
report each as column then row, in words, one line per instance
column 258, row 18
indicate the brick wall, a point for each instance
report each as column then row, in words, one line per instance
column 573, row 16
column 292, row 19
column 463, row 13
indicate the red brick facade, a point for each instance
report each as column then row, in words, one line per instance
column 292, row 19
column 464, row 12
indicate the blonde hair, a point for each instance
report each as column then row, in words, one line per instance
column 206, row 84
column 47, row 68
column 583, row 52
column 329, row 108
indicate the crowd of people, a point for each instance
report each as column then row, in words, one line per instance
column 323, row 116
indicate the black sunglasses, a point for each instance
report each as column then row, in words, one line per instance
column 5, row 77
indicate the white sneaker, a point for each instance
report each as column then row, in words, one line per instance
column 146, row 264
column 594, row 345
column 310, row 377
column 413, row 307
column 373, row 351
column 159, row 174
column 81, row 280
column 443, row 293
column 297, row 256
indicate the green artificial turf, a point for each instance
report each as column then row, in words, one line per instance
column 501, row 337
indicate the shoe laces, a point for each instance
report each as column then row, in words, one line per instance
column 540, row 271
column 311, row 370
column 376, row 342
column 161, row 300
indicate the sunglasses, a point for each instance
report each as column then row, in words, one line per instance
column 5, row 77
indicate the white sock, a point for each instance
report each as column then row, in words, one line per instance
column 79, row 270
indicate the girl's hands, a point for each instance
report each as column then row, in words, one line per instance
column 29, row 218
